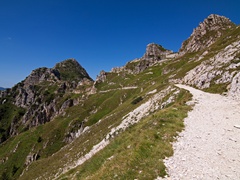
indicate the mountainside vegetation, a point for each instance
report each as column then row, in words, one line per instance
column 60, row 124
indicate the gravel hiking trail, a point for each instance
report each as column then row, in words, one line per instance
column 209, row 146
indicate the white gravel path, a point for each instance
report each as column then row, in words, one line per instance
column 209, row 147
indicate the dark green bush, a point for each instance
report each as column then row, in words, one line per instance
column 137, row 100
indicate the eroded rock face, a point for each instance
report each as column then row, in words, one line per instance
column 206, row 33
column 101, row 77
column 222, row 68
column 155, row 52
column 42, row 74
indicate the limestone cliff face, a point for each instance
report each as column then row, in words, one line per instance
column 219, row 69
column 206, row 33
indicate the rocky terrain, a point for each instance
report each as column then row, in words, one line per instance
column 58, row 123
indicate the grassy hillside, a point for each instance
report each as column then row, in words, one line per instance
column 105, row 109
column 113, row 100
column 139, row 151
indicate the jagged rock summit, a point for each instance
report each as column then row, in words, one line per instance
column 67, row 70
column 155, row 52
column 68, row 73
column 206, row 33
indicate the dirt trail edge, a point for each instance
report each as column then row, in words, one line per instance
column 209, row 147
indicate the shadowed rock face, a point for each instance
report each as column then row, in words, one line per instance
column 206, row 33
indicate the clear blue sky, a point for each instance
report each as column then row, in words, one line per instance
column 100, row 34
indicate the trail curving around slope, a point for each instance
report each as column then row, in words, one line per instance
column 209, row 147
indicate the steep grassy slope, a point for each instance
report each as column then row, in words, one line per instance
column 105, row 110
column 47, row 139
column 40, row 143
column 139, row 151
column 8, row 112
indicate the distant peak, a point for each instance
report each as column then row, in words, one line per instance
column 213, row 22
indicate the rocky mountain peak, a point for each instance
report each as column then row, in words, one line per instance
column 41, row 93
column 206, row 33
column 155, row 52
column 67, row 70
column 215, row 22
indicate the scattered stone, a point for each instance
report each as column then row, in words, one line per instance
column 237, row 126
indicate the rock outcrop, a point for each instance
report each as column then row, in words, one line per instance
column 42, row 74
column 206, row 34
column 101, row 77
column 155, row 52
